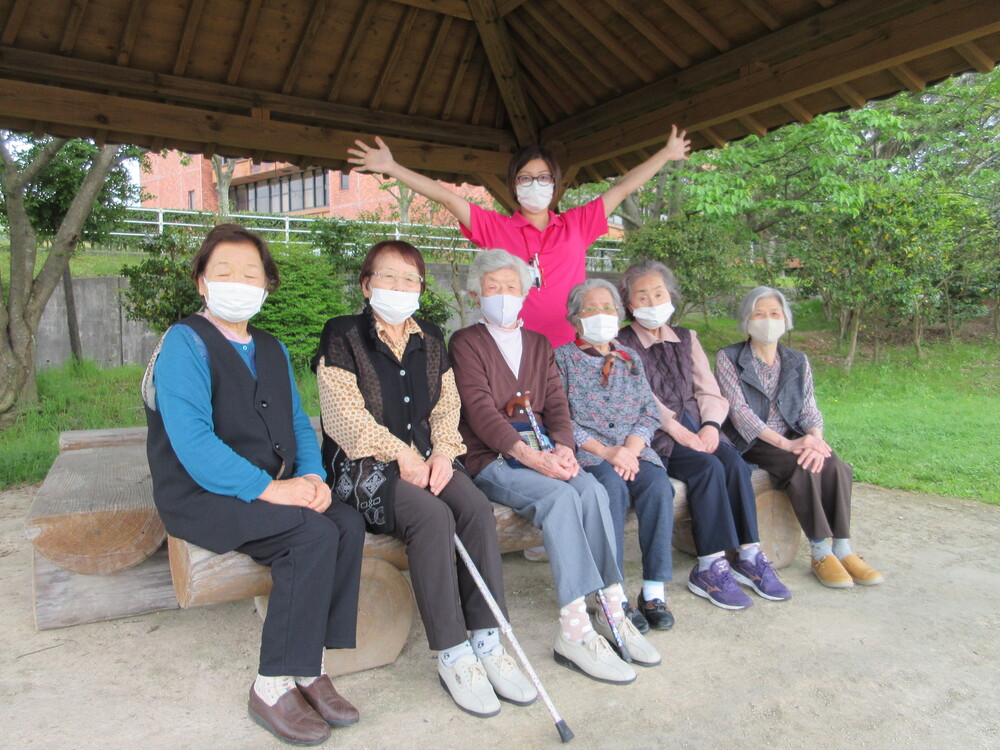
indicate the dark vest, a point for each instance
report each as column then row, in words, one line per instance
column 670, row 371
column 400, row 394
column 790, row 396
column 251, row 416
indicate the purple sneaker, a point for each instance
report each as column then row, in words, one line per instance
column 717, row 585
column 760, row 576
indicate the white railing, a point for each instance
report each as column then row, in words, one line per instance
column 297, row 230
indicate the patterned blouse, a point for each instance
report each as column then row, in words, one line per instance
column 607, row 414
column 748, row 424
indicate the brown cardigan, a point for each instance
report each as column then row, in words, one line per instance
column 486, row 384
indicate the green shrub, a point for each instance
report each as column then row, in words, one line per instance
column 160, row 290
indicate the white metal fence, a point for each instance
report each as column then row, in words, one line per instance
column 297, row 230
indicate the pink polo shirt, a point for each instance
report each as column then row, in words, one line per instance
column 562, row 255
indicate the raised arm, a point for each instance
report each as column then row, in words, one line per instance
column 380, row 160
column 677, row 148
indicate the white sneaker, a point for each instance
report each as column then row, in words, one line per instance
column 536, row 554
column 469, row 687
column 507, row 681
column 594, row 657
column 642, row 651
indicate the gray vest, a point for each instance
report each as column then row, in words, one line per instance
column 791, row 388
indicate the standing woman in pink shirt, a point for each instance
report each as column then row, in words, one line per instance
column 554, row 245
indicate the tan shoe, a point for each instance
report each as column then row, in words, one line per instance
column 831, row 573
column 862, row 573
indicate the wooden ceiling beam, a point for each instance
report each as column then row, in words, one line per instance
column 482, row 91
column 505, row 7
column 136, row 9
column 700, row 24
column 14, row 20
column 906, row 76
column 309, row 31
column 753, row 125
column 234, row 134
column 496, row 185
column 548, row 86
column 640, row 23
column 458, row 76
column 129, row 82
column 243, row 42
column 796, row 110
column 500, row 53
column 928, row 30
column 455, row 8
column 396, row 47
column 542, row 100
column 569, row 78
column 191, row 21
column 358, row 32
column 973, row 55
column 430, row 66
column 850, row 95
column 712, row 137
column 763, row 13
column 607, row 40
column 575, row 51
column 73, row 20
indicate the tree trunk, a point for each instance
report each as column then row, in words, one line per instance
column 460, row 294
column 72, row 322
column 918, row 334
column 223, row 169
column 852, row 339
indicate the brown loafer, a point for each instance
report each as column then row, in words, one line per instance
column 331, row 705
column 862, row 573
column 290, row 719
column 831, row 573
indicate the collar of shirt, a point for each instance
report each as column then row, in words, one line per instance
column 410, row 327
column 647, row 337
column 520, row 221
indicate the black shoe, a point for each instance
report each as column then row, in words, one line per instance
column 656, row 613
column 636, row 617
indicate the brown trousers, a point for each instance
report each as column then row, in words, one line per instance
column 822, row 502
column 447, row 597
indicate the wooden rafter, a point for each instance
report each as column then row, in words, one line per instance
column 482, row 91
column 548, row 86
column 191, row 21
column 796, row 110
column 500, row 53
column 575, row 51
column 456, row 8
column 309, row 31
column 712, row 137
column 905, row 75
column 396, row 47
column 649, row 30
column 497, row 187
column 973, row 55
column 700, row 24
column 73, row 20
column 131, row 33
column 568, row 77
column 541, row 100
column 609, row 42
column 18, row 63
column 243, row 42
column 753, row 125
column 849, row 94
column 505, row 7
column 430, row 64
column 458, row 76
column 763, row 13
column 14, row 20
column 360, row 31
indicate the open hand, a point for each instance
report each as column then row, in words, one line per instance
column 372, row 159
column 678, row 145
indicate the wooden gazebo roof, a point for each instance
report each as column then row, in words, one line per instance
column 456, row 85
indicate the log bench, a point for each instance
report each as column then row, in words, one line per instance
column 98, row 553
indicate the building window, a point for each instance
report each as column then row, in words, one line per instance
column 345, row 180
column 279, row 195
column 191, row 200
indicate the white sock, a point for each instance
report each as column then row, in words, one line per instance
column 450, row 655
column 820, row 548
column 615, row 596
column 484, row 641
column 842, row 547
column 705, row 561
column 748, row 552
column 270, row 689
column 307, row 681
column 573, row 620
column 654, row 590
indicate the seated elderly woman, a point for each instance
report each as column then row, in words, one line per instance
column 236, row 466
column 775, row 423
column 497, row 363
column 614, row 418
column 390, row 414
column 720, row 494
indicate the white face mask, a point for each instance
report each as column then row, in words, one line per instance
column 392, row 306
column 653, row 317
column 599, row 329
column 234, row 302
column 501, row 309
column 766, row 330
column 535, row 197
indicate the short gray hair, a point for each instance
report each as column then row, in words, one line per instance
column 637, row 270
column 750, row 300
column 574, row 302
column 488, row 261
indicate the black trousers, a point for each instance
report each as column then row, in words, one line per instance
column 316, row 575
column 449, row 601
column 720, row 495
column 822, row 502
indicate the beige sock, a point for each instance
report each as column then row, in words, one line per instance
column 574, row 621
column 270, row 689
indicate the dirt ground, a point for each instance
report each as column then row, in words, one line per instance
column 912, row 663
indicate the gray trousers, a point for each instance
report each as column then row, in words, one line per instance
column 575, row 521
